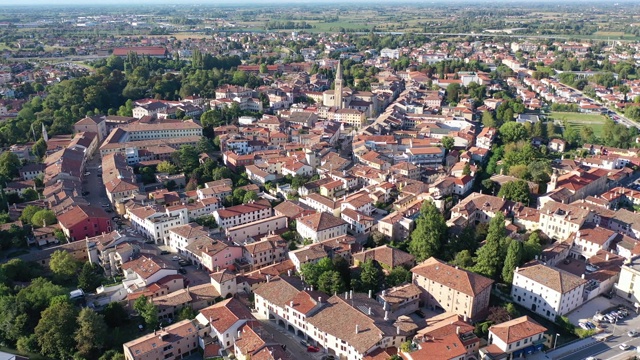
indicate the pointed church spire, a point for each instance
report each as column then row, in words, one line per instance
column 45, row 136
column 339, row 87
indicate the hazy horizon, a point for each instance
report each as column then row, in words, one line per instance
column 51, row 3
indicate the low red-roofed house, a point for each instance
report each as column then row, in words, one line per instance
column 83, row 221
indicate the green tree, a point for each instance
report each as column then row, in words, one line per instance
column 112, row 355
column 9, row 166
column 512, row 310
column 488, row 259
column 465, row 240
column 312, row 271
column 205, row 146
column 28, row 344
column 532, row 247
column 448, row 142
column 63, row 265
column 513, row 259
column 43, row 218
column 430, row 233
column 28, row 212
column 331, row 282
column 515, row 191
column 370, row 276
column 187, row 313
column 30, row 195
column 186, row 158
column 488, row 120
column 466, row 170
column 147, row 309
column 89, row 278
column 453, row 92
column 115, row 315
column 39, row 148
column 398, row 276
column 249, row 196
column 512, row 132
column 55, row 331
column 91, row 332
column 166, row 167
column 463, row 259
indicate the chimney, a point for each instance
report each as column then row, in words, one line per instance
column 238, row 334
column 398, row 330
column 386, row 315
column 346, row 295
column 311, row 288
column 607, row 257
column 319, row 299
column 582, row 276
column 289, row 272
column 357, row 329
column 268, row 277
column 457, row 330
column 369, row 310
column 465, row 316
column 291, row 303
column 370, row 292
column 350, row 294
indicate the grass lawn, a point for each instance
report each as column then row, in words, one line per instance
column 579, row 120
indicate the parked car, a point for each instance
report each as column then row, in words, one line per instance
column 313, row 349
column 304, row 343
column 175, row 258
column 632, row 333
column 583, row 325
column 624, row 346
column 163, row 252
column 182, row 271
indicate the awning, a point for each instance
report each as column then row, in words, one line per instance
column 530, row 349
column 539, row 347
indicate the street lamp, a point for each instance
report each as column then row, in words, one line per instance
column 555, row 343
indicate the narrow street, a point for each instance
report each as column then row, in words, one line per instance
column 292, row 343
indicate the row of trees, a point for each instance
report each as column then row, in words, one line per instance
column 335, row 276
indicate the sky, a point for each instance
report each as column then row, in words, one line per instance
column 257, row 2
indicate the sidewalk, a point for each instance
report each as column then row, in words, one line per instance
column 565, row 350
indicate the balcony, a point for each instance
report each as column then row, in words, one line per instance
column 242, row 264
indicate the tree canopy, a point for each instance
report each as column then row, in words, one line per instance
column 430, row 233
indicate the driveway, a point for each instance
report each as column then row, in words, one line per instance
column 589, row 309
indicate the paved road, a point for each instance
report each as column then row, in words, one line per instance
column 293, row 345
column 596, row 348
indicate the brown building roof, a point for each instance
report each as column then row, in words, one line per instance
column 460, row 280
column 321, row 221
column 553, row 278
column 385, row 255
column 517, row 329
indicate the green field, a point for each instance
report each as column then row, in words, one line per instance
column 579, row 120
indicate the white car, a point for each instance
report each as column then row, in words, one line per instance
column 624, row 346
column 632, row 333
